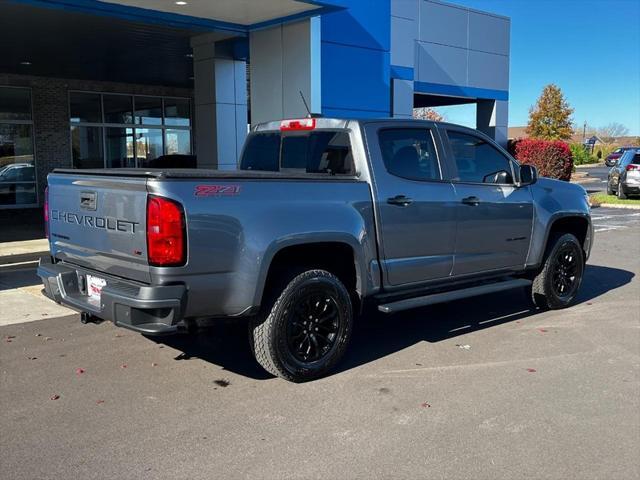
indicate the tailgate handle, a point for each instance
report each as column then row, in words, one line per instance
column 88, row 200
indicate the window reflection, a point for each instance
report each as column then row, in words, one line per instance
column 17, row 167
column 148, row 110
column 148, row 145
column 86, row 147
column 118, row 109
column 119, row 143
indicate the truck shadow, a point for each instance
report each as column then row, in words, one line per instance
column 377, row 335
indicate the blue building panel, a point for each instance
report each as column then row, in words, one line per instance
column 355, row 78
column 363, row 23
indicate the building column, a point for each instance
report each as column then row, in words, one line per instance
column 285, row 62
column 402, row 98
column 220, row 98
column 492, row 119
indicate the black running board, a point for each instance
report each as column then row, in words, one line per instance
column 422, row 301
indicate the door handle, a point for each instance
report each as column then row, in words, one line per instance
column 400, row 200
column 473, row 201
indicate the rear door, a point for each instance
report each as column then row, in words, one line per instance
column 494, row 217
column 415, row 204
column 99, row 222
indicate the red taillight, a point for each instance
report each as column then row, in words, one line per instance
column 46, row 211
column 166, row 238
column 298, row 124
column 632, row 166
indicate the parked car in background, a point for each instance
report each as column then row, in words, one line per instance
column 624, row 178
column 17, row 184
column 614, row 156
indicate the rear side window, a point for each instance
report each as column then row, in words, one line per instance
column 409, row 153
column 311, row 152
column 262, row 152
column 477, row 160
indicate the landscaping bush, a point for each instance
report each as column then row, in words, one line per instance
column 552, row 158
column 581, row 155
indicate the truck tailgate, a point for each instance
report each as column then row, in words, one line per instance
column 99, row 222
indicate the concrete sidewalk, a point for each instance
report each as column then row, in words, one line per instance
column 23, row 251
column 21, row 299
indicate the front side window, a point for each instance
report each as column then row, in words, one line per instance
column 409, row 153
column 17, row 163
column 478, row 161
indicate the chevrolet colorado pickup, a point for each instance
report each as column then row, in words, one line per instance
column 322, row 217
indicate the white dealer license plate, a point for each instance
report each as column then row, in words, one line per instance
column 94, row 289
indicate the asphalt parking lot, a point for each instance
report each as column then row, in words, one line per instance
column 484, row 388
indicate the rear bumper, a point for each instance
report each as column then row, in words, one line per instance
column 631, row 187
column 152, row 310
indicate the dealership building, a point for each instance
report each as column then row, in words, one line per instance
column 133, row 83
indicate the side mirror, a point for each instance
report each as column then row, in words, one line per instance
column 528, row 175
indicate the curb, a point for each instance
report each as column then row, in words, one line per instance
column 591, row 165
column 22, row 257
column 617, row 205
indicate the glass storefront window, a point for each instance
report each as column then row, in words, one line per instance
column 148, row 145
column 119, row 146
column 17, row 168
column 86, row 147
column 110, row 130
column 15, row 104
column 177, row 112
column 148, row 110
column 117, row 109
column 85, row 107
column 177, row 142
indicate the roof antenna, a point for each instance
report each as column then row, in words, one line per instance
column 306, row 107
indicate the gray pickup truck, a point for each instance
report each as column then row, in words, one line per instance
column 323, row 217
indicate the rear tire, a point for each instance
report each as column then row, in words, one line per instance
column 304, row 328
column 557, row 284
column 621, row 194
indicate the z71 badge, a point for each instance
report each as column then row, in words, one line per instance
column 216, row 190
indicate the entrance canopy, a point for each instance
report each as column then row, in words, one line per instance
column 133, row 41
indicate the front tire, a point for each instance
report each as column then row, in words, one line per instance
column 609, row 189
column 557, row 284
column 304, row 332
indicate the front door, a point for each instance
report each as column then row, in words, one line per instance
column 415, row 206
column 494, row 216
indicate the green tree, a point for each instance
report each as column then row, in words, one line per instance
column 550, row 118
